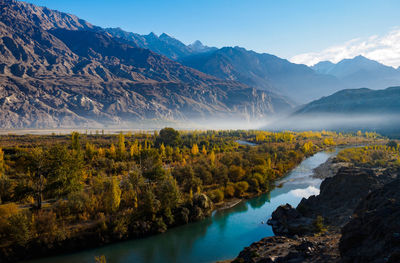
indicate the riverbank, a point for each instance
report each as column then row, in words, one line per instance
column 322, row 229
column 221, row 236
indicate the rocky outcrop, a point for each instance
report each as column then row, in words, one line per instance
column 287, row 221
column 280, row 249
column 340, row 195
column 373, row 234
column 336, row 202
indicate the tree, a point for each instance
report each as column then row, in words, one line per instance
column 308, row 147
column 100, row 259
column 62, row 169
column 75, row 144
column 90, row 151
column 241, row 188
column 112, row 195
column 121, row 145
column 56, row 172
column 152, row 166
column 19, row 228
column 112, row 151
column 177, row 155
column 236, row 173
column 169, row 137
column 212, row 158
column 2, row 165
column 162, row 151
column 195, row 149
column 134, row 150
column 203, row 150
column 35, row 172
column 391, row 143
column 168, row 193
column 150, row 205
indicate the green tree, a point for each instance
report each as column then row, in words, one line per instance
column 19, row 228
column 62, row 170
column 236, row 173
column 169, row 137
column 241, row 188
column 36, row 174
column 150, row 204
column 112, row 194
column 151, row 165
column 121, row 146
column 75, row 144
column 2, row 165
column 170, row 193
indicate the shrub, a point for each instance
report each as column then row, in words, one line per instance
column 229, row 191
column 241, row 188
column 216, row 195
column 19, row 228
column 319, row 224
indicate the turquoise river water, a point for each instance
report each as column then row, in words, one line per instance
column 221, row 236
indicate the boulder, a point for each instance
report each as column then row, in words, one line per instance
column 288, row 221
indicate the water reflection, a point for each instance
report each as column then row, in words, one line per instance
column 259, row 201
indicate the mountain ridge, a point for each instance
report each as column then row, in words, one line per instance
column 79, row 75
column 360, row 72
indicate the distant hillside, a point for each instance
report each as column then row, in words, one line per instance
column 57, row 70
column 349, row 110
column 265, row 71
column 360, row 72
column 356, row 101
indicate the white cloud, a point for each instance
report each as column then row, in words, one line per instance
column 385, row 49
column 307, row 192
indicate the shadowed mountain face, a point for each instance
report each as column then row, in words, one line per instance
column 361, row 72
column 265, row 71
column 356, row 101
column 59, row 71
column 349, row 110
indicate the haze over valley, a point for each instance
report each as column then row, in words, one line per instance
column 59, row 71
column 249, row 132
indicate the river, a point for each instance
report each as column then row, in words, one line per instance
column 219, row 237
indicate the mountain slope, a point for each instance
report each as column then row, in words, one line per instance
column 59, row 71
column 356, row 101
column 349, row 110
column 298, row 82
column 361, row 72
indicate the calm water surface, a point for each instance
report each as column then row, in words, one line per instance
column 219, row 237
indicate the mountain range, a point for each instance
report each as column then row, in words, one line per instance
column 296, row 82
column 57, row 70
column 360, row 72
column 163, row 44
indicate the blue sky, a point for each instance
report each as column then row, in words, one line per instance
column 282, row 27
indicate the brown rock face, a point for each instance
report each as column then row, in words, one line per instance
column 373, row 235
column 57, row 70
